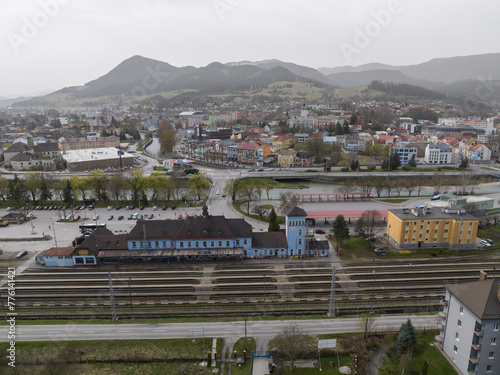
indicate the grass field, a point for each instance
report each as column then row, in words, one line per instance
column 152, row 357
column 242, row 344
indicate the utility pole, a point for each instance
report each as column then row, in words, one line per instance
column 264, row 294
column 130, row 296
column 112, row 297
column 331, row 307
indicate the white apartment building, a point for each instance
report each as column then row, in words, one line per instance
column 470, row 327
column 438, row 153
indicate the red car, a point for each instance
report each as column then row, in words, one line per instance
column 371, row 238
column 319, row 231
column 141, row 208
column 77, row 217
column 180, row 217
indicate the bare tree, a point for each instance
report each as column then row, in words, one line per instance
column 288, row 201
column 410, row 186
column 366, row 324
column 292, row 343
column 370, row 221
column 399, row 186
column 347, row 186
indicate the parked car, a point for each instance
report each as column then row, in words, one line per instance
column 77, row 208
column 371, row 239
column 110, row 217
column 319, row 231
column 69, row 217
column 109, row 208
column 78, row 217
column 91, row 207
column 489, row 241
column 141, row 208
column 30, row 214
column 96, row 217
column 180, row 217
column 164, row 208
column 130, row 217
column 135, row 216
column 484, row 243
column 132, row 208
column 9, row 208
column 120, row 217
column 151, row 216
column 118, row 207
column 127, row 208
column 155, row 208
column 380, row 250
column 174, row 207
column 217, row 192
column 21, row 254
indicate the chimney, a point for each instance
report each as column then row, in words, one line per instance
column 483, row 275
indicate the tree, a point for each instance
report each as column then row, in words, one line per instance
column 366, row 324
column 407, row 337
column 116, row 186
column 98, row 182
column 288, row 201
column 394, row 161
column 370, row 219
column 231, row 188
column 135, row 182
column 246, row 190
column 292, row 343
column 354, row 164
column 167, row 136
column 68, row 193
column 348, row 186
column 464, row 164
column 412, row 162
column 410, row 186
column 273, row 222
column 340, row 230
column 199, row 184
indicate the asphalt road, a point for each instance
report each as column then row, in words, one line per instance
column 209, row 329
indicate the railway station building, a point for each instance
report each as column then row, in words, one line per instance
column 421, row 228
column 203, row 237
column 469, row 326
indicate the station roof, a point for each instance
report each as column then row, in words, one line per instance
column 353, row 214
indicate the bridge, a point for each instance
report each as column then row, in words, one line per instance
column 339, row 197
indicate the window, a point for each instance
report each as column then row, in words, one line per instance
column 495, row 326
column 407, row 224
column 197, row 244
column 157, row 243
column 461, row 310
column 406, row 232
column 459, row 323
column 181, row 244
column 245, row 242
column 189, row 243
column 488, row 368
column 455, row 349
column 446, row 231
column 149, row 243
column 237, row 242
column 204, row 243
column 227, row 243
column 300, row 241
column 494, row 341
column 457, row 336
column 212, row 243
column 491, row 355
column 421, row 227
column 300, row 233
column 220, row 243
column 134, row 244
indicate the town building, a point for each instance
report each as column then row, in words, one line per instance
column 286, row 159
column 96, row 158
column 405, row 153
column 250, row 153
column 469, row 326
column 202, row 237
column 438, row 153
column 83, row 143
column 420, row 228
column 478, row 153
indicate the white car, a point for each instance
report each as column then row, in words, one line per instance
column 155, row 208
column 96, row 217
column 484, row 243
column 29, row 215
column 218, row 192
column 109, row 208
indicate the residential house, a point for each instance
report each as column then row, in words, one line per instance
column 304, row 158
column 469, row 326
column 286, row 158
column 250, row 153
column 478, row 153
column 438, row 153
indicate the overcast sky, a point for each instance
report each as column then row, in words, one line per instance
column 50, row 44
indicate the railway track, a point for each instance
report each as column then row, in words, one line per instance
column 405, row 284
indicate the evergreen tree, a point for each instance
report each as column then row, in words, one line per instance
column 354, row 164
column 407, row 337
column 385, row 164
column 339, row 130
column 412, row 162
column 340, row 230
column 394, row 161
column 68, row 193
column 273, row 222
column 464, row 164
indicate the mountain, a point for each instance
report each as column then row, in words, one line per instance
column 357, row 69
column 138, row 76
column 299, row 70
column 349, row 79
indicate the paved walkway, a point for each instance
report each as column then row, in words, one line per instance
column 261, row 365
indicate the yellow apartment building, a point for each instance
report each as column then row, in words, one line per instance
column 423, row 228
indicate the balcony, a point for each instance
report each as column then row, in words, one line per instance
column 440, row 326
column 472, row 372
column 474, row 360
column 442, row 314
column 443, row 302
column 478, row 333
column 476, row 347
column 438, row 338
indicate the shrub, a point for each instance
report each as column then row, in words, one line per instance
column 406, row 168
column 371, row 167
column 345, row 169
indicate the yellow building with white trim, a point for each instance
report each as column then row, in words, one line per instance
column 423, row 228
